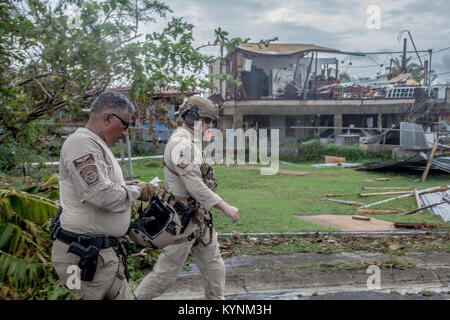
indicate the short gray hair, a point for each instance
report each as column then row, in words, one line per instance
column 112, row 101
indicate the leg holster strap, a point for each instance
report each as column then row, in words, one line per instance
column 117, row 283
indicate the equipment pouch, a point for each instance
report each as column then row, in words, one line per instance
column 208, row 176
column 211, row 184
column 88, row 259
column 199, row 215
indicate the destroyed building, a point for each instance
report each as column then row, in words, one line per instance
column 297, row 85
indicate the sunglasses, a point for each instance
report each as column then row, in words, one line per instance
column 124, row 123
column 207, row 120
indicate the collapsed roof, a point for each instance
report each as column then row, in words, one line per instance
column 280, row 49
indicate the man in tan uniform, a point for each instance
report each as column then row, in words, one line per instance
column 96, row 204
column 184, row 180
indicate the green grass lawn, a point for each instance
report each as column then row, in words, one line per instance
column 271, row 203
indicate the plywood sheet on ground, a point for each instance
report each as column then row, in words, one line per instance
column 346, row 223
column 287, row 171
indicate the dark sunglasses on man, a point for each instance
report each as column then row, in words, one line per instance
column 207, row 120
column 124, row 123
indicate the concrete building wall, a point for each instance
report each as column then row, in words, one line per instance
column 225, row 122
column 215, row 69
column 278, row 121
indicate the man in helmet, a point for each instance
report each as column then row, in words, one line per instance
column 96, row 204
column 187, row 178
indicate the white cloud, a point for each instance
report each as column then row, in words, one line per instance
column 332, row 23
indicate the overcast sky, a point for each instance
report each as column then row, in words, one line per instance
column 335, row 24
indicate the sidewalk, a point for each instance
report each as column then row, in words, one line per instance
column 306, row 274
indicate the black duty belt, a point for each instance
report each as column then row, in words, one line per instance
column 101, row 242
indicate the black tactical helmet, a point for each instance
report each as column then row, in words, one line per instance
column 157, row 226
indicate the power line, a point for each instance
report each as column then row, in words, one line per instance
column 437, row 74
column 368, row 66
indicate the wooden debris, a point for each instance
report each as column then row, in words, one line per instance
column 416, row 225
column 335, row 195
column 361, row 218
column 416, row 195
column 347, row 202
column 440, row 189
column 338, row 160
column 372, row 211
column 430, row 159
column 376, row 179
column 363, row 195
column 383, row 188
column 429, row 190
column 426, row 207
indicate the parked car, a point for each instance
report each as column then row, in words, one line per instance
column 364, row 135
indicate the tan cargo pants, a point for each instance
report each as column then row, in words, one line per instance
column 98, row 288
column 171, row 261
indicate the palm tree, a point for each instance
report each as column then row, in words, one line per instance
column 413, row 68
column 25, row 242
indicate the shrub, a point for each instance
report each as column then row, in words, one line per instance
column 315, row 151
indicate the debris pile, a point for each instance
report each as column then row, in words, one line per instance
column 436, row 200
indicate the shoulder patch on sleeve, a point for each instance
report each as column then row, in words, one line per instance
column 183, row 162
column 87, row 168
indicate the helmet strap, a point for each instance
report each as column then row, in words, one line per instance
column 191, row 116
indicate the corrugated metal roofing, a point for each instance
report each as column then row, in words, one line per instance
column 282, row 48
column 412, row 135
column 416, row 162
column 442, row 210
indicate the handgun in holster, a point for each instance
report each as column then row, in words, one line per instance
column 88, row 259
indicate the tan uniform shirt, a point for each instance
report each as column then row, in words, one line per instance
column 93, row 194
column 183, row 156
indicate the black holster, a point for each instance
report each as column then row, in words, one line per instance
column 185, row 212
column 88, row 259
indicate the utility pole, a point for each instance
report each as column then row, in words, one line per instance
column 390, row 70
column 220, row 71
column 429, row 68
column 403, row 68
column 425, row 73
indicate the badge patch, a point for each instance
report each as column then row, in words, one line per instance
column 87, row 168
column 182, row 163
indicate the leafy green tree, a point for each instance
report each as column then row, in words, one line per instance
column 51, row 61
column 345, row 77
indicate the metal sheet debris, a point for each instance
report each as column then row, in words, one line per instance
column 442, row 210
column 412, row 135
column 416, row 162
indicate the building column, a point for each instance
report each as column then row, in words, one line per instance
column 237, row 121
column 337, row 123
column 379, row 121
